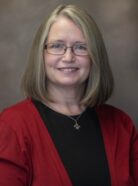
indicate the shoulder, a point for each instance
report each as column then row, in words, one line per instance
column 109, row 111
column 19, row 113
column 19, row 107
column 114, row 118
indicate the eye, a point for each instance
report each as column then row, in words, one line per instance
column 81, row 47
column 55, row 46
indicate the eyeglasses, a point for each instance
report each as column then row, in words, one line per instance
column 60, row 49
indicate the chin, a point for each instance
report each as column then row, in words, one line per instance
column 70, row 83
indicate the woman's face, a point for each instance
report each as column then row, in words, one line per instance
column 66, row 70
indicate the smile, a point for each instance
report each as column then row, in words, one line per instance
column 68, row 69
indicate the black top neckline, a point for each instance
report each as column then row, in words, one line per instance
column 82, row 152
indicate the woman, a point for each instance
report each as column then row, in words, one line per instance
column 63, row 134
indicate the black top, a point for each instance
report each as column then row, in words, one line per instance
column 82, row 151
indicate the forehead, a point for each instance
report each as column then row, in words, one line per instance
column 65, row 29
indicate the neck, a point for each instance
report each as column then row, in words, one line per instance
column 66, row 100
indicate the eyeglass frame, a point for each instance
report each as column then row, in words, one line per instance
column 65, row 49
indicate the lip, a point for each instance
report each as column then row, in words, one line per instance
column 68, row 69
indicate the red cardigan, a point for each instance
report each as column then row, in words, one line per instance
column 28, row 156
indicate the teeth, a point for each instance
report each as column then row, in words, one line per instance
column 68, row 69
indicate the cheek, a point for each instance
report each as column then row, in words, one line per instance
column 48, row 61
column 51, row 60
column 87, row 67
column 87, row 64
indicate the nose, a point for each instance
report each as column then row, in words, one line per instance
column 69, row 55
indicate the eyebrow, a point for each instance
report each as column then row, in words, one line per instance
column 62, row 41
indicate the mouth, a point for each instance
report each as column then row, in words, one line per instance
column 68, row 69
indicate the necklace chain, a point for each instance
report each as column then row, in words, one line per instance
column 76, row 125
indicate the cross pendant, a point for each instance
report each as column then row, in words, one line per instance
column 76, row 126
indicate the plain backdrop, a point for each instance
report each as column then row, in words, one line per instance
column 117, row 20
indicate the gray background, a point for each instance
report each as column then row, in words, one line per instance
column 117, row 19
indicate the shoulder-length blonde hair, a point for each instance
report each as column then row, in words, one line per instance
column 99, row 86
